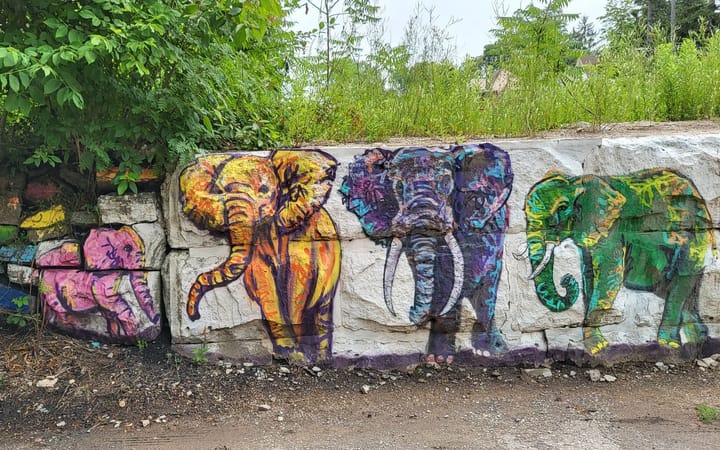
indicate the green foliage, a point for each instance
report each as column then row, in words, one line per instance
column 707, row 413
column 138, row 82
column 535, row 42
column 141, row 344
column 18, row 318
column 641, row 17
column 200, row 354
column 416, row 89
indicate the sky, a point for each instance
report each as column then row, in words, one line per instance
column 473, row 19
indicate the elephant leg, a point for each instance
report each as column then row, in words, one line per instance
column 312, row 280
column 681, row 311
column 261, row 287
column 486, row 338
column 602, row 279
column 120, row 317
column 54, row 304
column 441, row 346
column 441, row 343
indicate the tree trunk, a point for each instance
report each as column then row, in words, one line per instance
column 672, row 20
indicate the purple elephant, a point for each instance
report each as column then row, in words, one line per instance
column 446, row 210
column 109, row 287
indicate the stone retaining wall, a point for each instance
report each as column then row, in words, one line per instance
column 629, row 217
column 515, row 252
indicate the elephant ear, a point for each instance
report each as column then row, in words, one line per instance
column 108, row 249
column 367, row 192
column 305, row 177
column 597, row 206
column 202, row 203
column 483, row 182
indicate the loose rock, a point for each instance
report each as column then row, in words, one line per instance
column 48, row 382
column 594, row 375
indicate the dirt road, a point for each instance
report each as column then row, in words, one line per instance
column 127, row 398
column 454, row 412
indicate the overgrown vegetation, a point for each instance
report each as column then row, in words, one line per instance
column 526, row 81
column 133, row 83
column 138, row 82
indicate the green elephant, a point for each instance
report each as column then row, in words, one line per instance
column 649, row 230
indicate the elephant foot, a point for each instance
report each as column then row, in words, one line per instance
column 487, row 343
column 439, row 359
column 441, row 348
column 695, row 332
column 594, row 340
column 669, row 337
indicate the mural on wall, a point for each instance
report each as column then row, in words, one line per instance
column 446, row 210
column 648, row 230
column 281, row 239
column 70, row 295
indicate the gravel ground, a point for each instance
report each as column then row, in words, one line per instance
column 125, row 397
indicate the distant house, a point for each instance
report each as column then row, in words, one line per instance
column 586, row 60
column 495, row 84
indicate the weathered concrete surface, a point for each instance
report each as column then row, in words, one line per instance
column 129, row 209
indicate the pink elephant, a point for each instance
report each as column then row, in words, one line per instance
column 109, row 287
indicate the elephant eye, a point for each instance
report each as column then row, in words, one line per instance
column 445, row 184
column 127, row 248
column 263, row 189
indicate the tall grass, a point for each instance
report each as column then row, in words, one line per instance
column 368, row 101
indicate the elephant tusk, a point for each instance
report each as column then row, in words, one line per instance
column 391, row 262
column 459, row 273
column 521, row 252
column 549, row 248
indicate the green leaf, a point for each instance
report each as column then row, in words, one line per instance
column 89, row 56
column 10, row 59
column 24, row 79
column 52, row 22
column 17, row 103
column 63, row 95
column 75, row 37
column 77, row 100
column 86, row 14
column 52, row 85
column 207, row 123
column 122, row 187
column 62, row 31
column 14, row 83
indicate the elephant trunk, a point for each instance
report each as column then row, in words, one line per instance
column 144, row 296
column 422, row 261
column 241, row 220
column 541, row 257
column 423, row 254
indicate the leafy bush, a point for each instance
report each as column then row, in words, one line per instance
column 138, row 82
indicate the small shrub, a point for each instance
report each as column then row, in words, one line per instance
column 707, row 413
column 200, row 354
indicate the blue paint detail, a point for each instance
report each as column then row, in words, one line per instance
column 17, row 254
column 7, row 295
